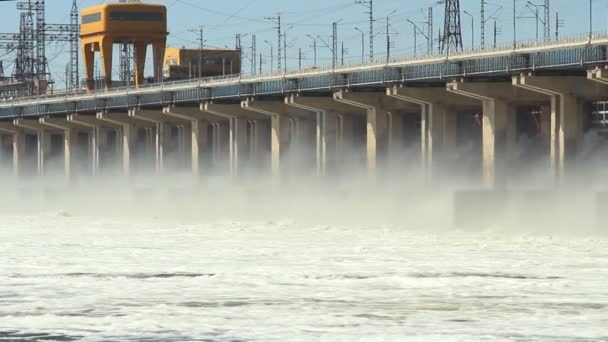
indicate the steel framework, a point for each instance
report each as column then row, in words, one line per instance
column 31, row 70
column 452, row 32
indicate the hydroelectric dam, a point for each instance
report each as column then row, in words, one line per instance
column 414, row 113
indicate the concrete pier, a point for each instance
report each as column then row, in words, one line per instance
column 94, row 127
column 233, row 132
column 198, row 128
column 438, row 122
column 126, row 127
column 286, row 123
column 567, row 96
column 68, row 131
column 331, row 118
column 383, row 124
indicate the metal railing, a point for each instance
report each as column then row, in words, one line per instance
column 527, row 55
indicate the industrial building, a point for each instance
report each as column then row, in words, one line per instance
column 182, row 63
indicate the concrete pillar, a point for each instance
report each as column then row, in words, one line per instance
column 329, row 128
column 375, row 123
column 68, row 130
column 438, row 122
column 158, row 125
column 198, row 130
column 127, row 127
column 565, row 95
column 280, row 138
column 18, row 150
column 96, row 129
column 496, row 113
column 494, row 126
column 222, row 145
column 198, row 124
column 42, row 140
column 238, row 129
column 384, row 129
column 18, row 140
column 232, row 122
column 2, row 153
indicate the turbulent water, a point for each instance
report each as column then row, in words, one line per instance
column 66, row 277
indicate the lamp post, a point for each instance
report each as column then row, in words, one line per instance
column 314, row 48
column 472, row 29
column 535, row 12
column 415, row 37
column 362, row 44
column 271, row 55
column 285, row 48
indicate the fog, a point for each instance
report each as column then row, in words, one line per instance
column 399, row 194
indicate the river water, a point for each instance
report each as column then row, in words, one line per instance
column 66, row 277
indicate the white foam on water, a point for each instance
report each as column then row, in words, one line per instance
column 97, row 278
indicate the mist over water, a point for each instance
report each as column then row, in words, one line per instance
column 340, row 258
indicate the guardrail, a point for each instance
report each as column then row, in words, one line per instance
column 568, row 51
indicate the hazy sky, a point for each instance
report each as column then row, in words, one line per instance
column 223, row 19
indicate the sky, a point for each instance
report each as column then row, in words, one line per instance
column 223, row 19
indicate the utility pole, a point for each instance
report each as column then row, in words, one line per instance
column 261, row 63
column 536, row 15
column 314, row 48
column 547, row 20
column 416, row 31
column 415, row 37
column 514, row 24
column 277, row 21
column 285, row 48
column 369, row 4
column 239, row 48
column 483, row 24
column 201, row 39
column 334, row 44
column 496, row 33
column 429, row 32
column 559, row 23
column 253, row 54
column 271, row 56
column 590, row 19
column 388, row 37
column 285, row 51
column 388, row 41
column 299, row 58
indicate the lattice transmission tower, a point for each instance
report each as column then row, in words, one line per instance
column 31, row 71
column 452, row 32
column 126, row 60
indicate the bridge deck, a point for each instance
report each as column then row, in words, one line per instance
column 576, row 54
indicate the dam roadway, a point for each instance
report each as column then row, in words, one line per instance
column 319, row 121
